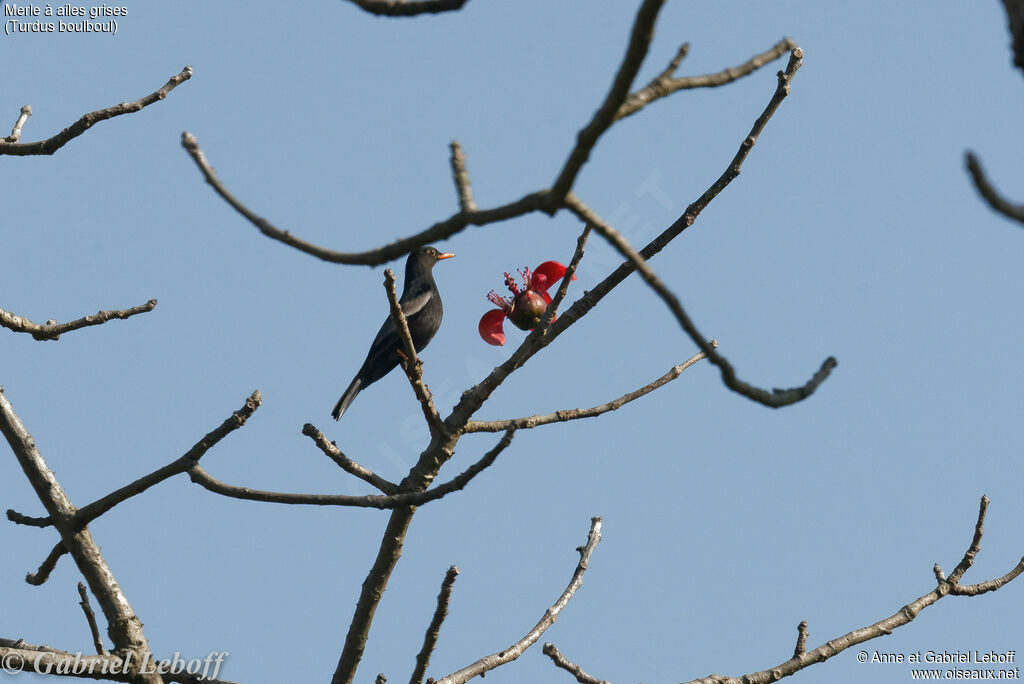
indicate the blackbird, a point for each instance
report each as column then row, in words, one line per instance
column 421, row 304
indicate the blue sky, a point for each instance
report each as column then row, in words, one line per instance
column 853, row 231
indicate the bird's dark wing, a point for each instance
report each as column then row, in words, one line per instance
column 389, row 331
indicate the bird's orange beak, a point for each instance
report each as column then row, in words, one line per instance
column 445, row 255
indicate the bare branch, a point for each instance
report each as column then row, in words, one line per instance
column 90, row 617
column 438, row 231
column 15, row 135
column 411, row 363
column 509, row 654
column 51, row 330
column 575, row 670
column 419, row 478
column 461, row 177
column 408, row 8
column 237, row 419
column 434, row 630
column 19, row 519
column 881, row 628
column 664, row 84
column 86, row 514
column 639, row 41
column 401, row 499
column 47, row 567
column 801, row 639
column 123, row 627
column 994, row 199
column 774, row 399
column 563, row 415
column 345, row 463
column 51, row 145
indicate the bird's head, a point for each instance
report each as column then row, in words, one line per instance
column 423, row 259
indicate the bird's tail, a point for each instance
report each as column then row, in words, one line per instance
column 346, row 398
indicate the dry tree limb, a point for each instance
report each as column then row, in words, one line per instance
column 123, row 627
column 774, row 399
column 461, row 177
column 801, row 639
column 51, row 145
column 51, row 330
column 802, row 658
column 664, row 84
column 434, row 629
column 989, row 194
column 86, row 514
column 528, row 422
column 411, row 364
column 572, row 668
column 408, row 8
column 31, row 521
column 347, row 464
column 90, row 617
column 15, row 135
column 46, row 568
column 639, row 41
column 488, row 663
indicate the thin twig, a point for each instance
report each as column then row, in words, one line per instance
column 994, row 199
column 528, row 422
column 51, row 145
column 408, row 8
column 31, row 521
column 575, row 670
column 47, row 567
column 509, row 654
column 461, row 177
column 90, row 617
column 434, row 629
column 15, row 135
column 664, row 84
column 347, row 464
column 412, row 365
column 639, row 41
column 801, row 639
column 53, row 330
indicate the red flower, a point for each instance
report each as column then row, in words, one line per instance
column 526, row 307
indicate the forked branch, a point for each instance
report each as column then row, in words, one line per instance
column 507, row 655
column 87, row 121
column 802, row 659
column 52, row 330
